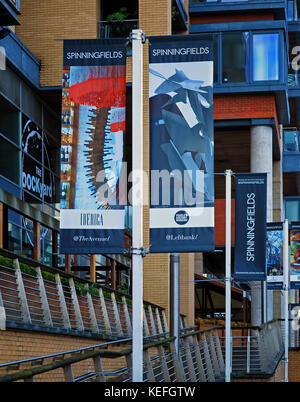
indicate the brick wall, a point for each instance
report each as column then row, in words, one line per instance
column 294, row 365
column 244, row 106
column 18, row 345
column 44, row 24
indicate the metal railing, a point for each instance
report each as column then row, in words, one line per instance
column 53, row 298
column 256, row 350
column 200, row 358
column 117, row 29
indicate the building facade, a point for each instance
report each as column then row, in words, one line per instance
column 256, row 99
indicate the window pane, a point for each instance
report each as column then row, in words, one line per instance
column 235, row 57
column 9, row 161
column 46, row 246
column 9, row 121
column 290, row 141
column 266, row 57
column 216, row 59
column 292, row 210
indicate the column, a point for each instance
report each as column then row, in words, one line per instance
column 262, row 162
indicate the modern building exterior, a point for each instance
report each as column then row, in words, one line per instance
column 256, row 127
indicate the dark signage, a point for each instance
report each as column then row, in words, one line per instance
column 250, row 227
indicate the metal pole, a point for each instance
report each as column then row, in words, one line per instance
column 137, row 206
column 175, row 298
column 286, row 296
column 228, row 174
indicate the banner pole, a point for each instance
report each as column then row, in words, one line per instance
column 137, row 206
column 286, row 296
column 228, row 174
column 175, row 298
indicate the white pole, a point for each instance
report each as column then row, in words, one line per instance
column 228, row 174
column 175, row 298
column 286, row 296
column 137, row 206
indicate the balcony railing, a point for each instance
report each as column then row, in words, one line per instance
column 277, row 6
column 15, row 3
column 291, row 151
column 117, row 29
column 294, row 80
column 211, row 2
column 9, row 11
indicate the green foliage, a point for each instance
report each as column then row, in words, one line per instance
column 120, row 15
column 6, row 262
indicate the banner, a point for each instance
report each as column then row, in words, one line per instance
column 274, row 255
column 181, row 144
column 294, row 234
column 93, row 125
column 250, row 227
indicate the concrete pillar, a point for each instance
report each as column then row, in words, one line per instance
column 262, row 162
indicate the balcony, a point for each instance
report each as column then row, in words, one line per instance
column 291, row 151
column 9, row 11
column 117, row 29
column 278, row 7
column 251, row 60
column 293, row 15
column 293, row 84
column 179, row 16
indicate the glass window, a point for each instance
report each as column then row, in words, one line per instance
column 266, row 57
column 9, row 121
column 235, row 57
column 290, row 141
column 20, row 234
column 216, row 57
column 290, row 10
column 292, row 210
column 46, row 245
column 9, row 161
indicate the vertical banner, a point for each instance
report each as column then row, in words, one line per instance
column 274, row 255
column 295, row 255
column 250, row 227
column 93, row 125
column 181, row 144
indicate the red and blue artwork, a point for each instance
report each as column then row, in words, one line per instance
column 93, row 128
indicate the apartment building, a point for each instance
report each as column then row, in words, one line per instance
column 256, row 98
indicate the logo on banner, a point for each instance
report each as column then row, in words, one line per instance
column 181, row 217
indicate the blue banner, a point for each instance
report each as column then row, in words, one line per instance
column 92, row 216
column 181, row 144
column 250, row 227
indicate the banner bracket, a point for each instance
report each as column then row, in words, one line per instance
column 135, row 35
column 139, row 251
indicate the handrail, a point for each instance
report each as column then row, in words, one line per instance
column 199, row 358
column 53, row 270
column 29, row 373
column 87, row 348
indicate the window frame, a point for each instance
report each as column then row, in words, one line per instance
column 251, row 81
column 292, row 198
